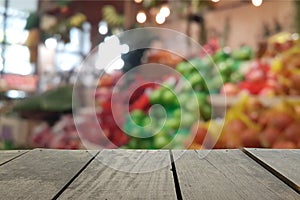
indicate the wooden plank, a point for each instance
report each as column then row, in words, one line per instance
column 6, row 156
column 40, row 174
column 284, row 164
column 125, row 174
column 226, row 174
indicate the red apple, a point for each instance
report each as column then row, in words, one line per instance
column 236, row 126
column 269, row 136
column 284, row 145
column 249, row 138
column 292, row 132
column 199, row 132
column 280, row 120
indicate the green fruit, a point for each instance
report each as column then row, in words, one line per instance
column 192, row 105
column 168, row 98
column 181, row 67
column 201, row 97
column 160, row 142
column 215, row 83
column 137, row 117
column 155, row 97
column 187, row 120
column 177, row 113
column 172, row 123
column 220, row 56
column 207, row 63
column 146, row 121
column 133, row 143
column 185, row 68
column 225, row 68
column 196, row 79
column 145, row 144
column 206, row 112
column 236, row 77
column 183, row 99
column 244, row 53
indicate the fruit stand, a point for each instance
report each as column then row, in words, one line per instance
column 238, row 99
column 217, row 95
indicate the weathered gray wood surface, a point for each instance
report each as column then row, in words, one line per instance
column 6, row 156
column 40, row 174
column 125, row 174
column 226, row 174
column 142, row 174
column 284, row 163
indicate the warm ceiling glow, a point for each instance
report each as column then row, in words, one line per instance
column 165, row 11
column 215, row 0
column 138, row 1
column 141, row 17
column 160, row 18
column 257, row 2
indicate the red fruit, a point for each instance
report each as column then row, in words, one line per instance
column 295, row 78
column 255, row 75
column 292, row 132
column 284, row 145
column 230, row 89
column 106, row 81
column 233, row 140
column 249, row 138
column 236, row 126
column 280, row 120
column 269, row 136
column 199, row 131
column 264, row 118
column 195, row 146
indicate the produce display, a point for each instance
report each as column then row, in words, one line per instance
column 154, row 128
column 177, row 113
column 249, row 123
column 275, row 72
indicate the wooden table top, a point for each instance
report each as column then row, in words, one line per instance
column 150, row 174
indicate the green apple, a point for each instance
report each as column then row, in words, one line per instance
column 133, row 143
column 137, row 117
column 177, row 113
column 146, row 121
column 160, row 142
column 145, row 143
column 187, row 119
column 172, row 123
column 169, row 98
column 206, row 112
column 196, row 79
column 155, row 96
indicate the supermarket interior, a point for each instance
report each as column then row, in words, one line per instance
column 149, row 74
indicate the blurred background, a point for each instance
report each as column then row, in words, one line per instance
column 254, row 45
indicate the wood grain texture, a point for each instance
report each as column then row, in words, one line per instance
column 227, row 174
column 283, row 163
column 125, row 174
column 40, row 174
column 6, row 156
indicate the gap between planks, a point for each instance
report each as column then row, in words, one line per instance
column 273, row 171
column 18, row 154
column 75, row 176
